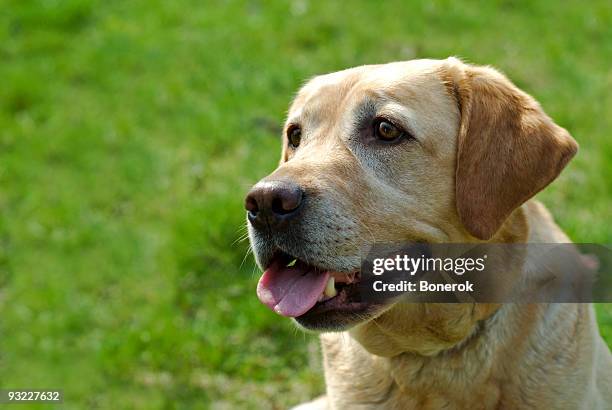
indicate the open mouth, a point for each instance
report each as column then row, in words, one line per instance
column 291, row 287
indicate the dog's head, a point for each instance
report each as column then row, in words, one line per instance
column 420, row 151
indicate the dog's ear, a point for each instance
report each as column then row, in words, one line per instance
column 508, row 149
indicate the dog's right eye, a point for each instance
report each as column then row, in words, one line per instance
column 294, row 135
column 386, row 131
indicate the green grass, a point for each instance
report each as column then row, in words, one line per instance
column 130, row 131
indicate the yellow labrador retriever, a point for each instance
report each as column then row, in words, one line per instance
column 434, row 151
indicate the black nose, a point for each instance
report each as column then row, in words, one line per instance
column 273, row 202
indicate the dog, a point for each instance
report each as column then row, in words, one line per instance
column 433, row 151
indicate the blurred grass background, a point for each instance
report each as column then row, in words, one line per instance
column 130, row 131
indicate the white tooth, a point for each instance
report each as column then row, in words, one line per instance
column 321, row 297
column 330, row 289
column 290, row 264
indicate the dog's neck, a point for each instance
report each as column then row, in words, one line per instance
column 482, row 371
column 430, row 329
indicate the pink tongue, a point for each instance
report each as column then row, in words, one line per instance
column 291, row 291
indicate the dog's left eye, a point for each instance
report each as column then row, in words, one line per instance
column 386, row 131
column 294, row 135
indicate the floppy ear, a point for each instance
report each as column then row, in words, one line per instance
column 508, row 149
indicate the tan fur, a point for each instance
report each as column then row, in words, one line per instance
column 482, row 149
column 508, row 148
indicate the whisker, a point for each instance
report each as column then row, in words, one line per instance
column 254, row 271
column 241, row 238
column 246, row 255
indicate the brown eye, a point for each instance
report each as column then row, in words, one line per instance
column 294, row 135
column 386, row 131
